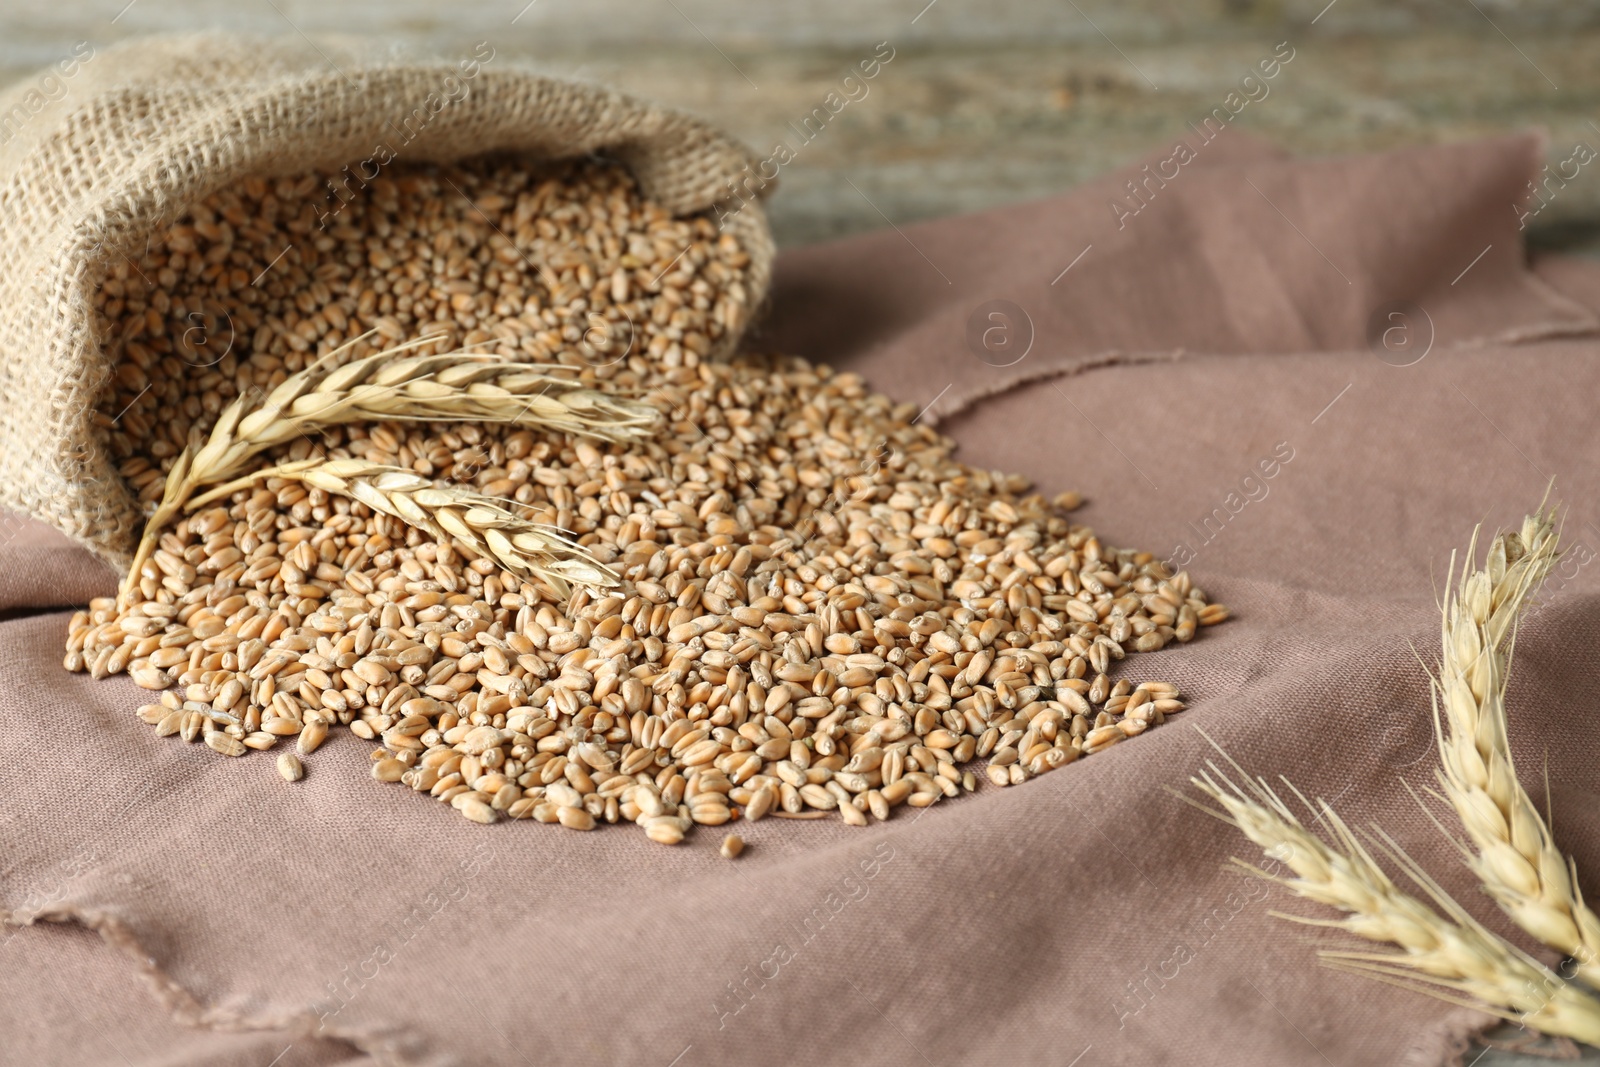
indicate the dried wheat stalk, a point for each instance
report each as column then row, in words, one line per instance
column 485, row 525
column 1513, row 854
column 389, row 385
column 1444, row 953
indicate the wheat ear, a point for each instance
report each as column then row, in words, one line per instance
column 1513, row 854
column 1444, row 953
column 388, row 385
column 486, row 525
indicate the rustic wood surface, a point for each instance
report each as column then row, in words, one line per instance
column 991, row 103
column 984, row 104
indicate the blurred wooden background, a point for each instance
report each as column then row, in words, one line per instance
column 987, row 103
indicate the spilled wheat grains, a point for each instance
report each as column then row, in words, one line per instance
column 770, row 649
column 818, row 612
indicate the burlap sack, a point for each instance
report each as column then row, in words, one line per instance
column 98, row 151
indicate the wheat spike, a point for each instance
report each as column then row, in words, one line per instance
column 1444, row 953
column 452, row 386
column 487, row 526
column 1513, row 854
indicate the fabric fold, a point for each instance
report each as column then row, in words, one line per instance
column 1244, row 250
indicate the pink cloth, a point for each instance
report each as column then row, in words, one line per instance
column 1085, row 918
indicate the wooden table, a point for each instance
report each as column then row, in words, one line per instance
column 991, row 103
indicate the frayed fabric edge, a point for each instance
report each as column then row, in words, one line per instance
column 1110, row 358
column 388, row 1047
column 937, row 412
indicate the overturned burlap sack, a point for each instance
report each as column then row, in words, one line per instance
column 101, row 150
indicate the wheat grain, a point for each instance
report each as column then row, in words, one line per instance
column 290, row 767
column 575, row 818
column 1513, row 853
column 1444, row 953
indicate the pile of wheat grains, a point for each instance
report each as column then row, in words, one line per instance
column 818, row 610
